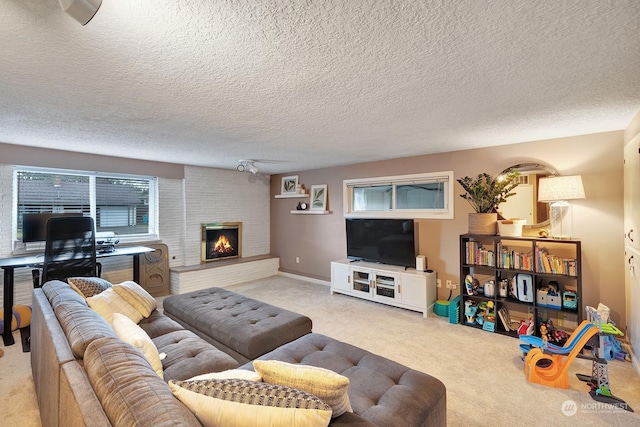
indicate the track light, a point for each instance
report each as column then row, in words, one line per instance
column 247, row 165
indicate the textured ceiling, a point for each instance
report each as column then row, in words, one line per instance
column 309, row 84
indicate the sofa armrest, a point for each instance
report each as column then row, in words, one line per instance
column 79, row 405
column 49, row 351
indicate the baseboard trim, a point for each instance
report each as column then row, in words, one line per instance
column 305, row 278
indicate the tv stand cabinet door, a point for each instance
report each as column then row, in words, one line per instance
column 418, row 291
column 414, row 291
column 340, row 275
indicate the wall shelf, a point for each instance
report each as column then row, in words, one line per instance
column 297, row 212
column 291, row 196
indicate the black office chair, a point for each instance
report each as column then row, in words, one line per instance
column 70, row 249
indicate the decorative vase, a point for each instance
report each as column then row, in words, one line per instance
column 483, row 223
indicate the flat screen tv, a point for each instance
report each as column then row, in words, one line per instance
column 34, row 226
column 387, row 241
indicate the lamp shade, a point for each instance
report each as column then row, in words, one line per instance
column 557, row 188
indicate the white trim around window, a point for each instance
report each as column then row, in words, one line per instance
column 425, row 195
column 123, row 204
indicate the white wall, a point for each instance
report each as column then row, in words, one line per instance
column 215, row 195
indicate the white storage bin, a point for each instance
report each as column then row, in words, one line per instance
column 511, row 227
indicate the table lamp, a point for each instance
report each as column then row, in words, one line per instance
column 557, row 191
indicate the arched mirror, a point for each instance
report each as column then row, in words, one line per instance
column 524, row 204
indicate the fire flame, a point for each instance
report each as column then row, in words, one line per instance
column 222, row 245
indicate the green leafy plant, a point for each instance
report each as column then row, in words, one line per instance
column 485, row 193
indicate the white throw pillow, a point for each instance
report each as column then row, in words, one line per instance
column 133, row 334
column 329, row 386
column 108, row 302
column 239, row 374
column 137, row 296
column 242, row 403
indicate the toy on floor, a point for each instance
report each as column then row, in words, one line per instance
column 21, row 317
column 543, row 334
column 547, row 364
column 613, row 350
column 599, row 378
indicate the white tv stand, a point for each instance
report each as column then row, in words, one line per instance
column 387, row 284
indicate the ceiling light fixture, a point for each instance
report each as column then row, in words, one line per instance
column 247, row 165
column 81, row 10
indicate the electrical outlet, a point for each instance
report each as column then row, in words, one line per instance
column 448, row 284
column 297, row 260
column 454, row 286
column 438, row 283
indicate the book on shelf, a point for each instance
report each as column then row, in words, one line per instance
column 514, row 259
column 505, row 318
column 548, row 263
column 476, row 254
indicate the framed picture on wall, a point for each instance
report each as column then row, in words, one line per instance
column 318, row 197
column 289, row 185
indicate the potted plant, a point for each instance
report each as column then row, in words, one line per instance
column 485, row 194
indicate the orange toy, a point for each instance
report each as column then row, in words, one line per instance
column 554, row 369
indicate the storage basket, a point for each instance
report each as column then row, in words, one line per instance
column 441, row 308
column 511, row 227
column 570, row 300
column 483, row 223
column 454, row 310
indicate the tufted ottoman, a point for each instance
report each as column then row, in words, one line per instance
column 240, row 326
column 381, row 391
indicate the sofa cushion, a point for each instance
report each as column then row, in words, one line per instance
column 108, row 302
column 189, row 355
column 135, row 295
column 242, row 403
column 245, row 326
column 88, row 286
column 158, row 324
column 327, row 385
column 130, row 392
column 58, row 292
column 382, row 391
column 133, row 334
column 81, row 325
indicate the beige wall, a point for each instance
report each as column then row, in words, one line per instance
column 47, row 158
column 319, row 239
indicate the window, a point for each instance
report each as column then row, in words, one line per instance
column 426, row 195
column 121, row 204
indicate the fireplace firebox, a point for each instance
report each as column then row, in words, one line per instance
column 221, row 240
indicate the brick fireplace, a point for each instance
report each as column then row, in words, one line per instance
column 221, row 240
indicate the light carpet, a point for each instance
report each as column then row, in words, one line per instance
column 481, row 370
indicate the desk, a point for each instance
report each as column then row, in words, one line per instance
column 10, row 264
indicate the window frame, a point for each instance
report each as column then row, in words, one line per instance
column 153, row 224
column 394, row 181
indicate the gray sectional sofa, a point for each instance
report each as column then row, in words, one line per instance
column 85, row 375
